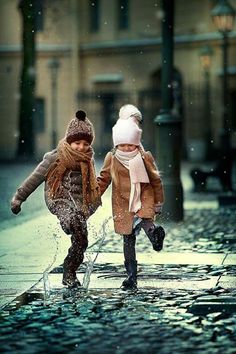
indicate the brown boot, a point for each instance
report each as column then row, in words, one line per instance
column 69, row 279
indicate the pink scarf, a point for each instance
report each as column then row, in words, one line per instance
column 134, row 163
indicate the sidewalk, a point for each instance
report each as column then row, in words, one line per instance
column 154, row 278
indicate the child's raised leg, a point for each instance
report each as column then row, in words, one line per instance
column 155, row 233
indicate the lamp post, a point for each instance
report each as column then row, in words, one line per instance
column 223, row 15
column 206, row 53
column 168, row 132
column 54, row 65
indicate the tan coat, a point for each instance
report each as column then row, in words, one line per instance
column 151, row 193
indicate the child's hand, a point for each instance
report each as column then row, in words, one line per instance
column 15, row 206
column 158, row 209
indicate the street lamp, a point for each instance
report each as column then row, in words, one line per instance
column 205, row 54
column 223, row 15
column 169, row 126
column 54, row 65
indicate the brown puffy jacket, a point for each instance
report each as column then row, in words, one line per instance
column 71, row 192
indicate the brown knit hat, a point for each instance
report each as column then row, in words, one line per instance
column 80, row 128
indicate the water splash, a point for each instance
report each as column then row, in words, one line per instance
column 46, row 287
column 91, row 262
column 46, row 283
column 88, row 272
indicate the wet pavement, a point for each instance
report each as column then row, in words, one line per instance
column 148, row 321
column 185, row 299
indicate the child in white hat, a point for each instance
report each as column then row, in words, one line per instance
column 137, row 192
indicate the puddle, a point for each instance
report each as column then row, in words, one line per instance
column 47, row 295
column 22, row 300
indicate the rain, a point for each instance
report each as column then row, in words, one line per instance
column 62, row 58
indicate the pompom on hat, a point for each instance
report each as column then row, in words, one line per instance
column 125, row 131
column 80, row 128
column 129, row 111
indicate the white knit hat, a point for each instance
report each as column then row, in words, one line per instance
column 129, row 111
column 125, row 131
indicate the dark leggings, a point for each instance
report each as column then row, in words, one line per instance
column 129, row 247
column 129, row 241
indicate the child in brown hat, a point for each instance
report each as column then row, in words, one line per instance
column 71, row 190
column 137, row 192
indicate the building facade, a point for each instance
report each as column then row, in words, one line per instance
column 110, row 54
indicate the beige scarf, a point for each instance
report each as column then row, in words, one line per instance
column 134, row 163
column 70, row 159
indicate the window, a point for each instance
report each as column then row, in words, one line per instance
column 94, row 8
column 123, row 14
column 39, row 115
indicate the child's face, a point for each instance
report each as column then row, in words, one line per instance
column 80, row 145
column 126, row 147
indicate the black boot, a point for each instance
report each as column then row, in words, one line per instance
column 156, row 236
column 131, row 281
